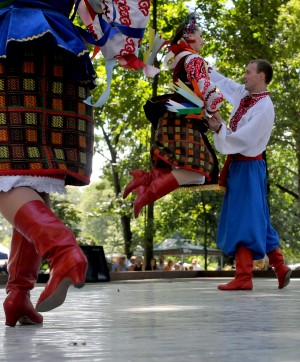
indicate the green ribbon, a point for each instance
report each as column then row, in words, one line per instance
column 193, row 110
column 5, row 3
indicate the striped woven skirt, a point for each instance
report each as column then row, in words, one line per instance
column 45, row 127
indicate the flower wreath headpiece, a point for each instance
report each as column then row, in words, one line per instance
column 190, row 24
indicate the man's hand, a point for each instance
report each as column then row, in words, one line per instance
column 215, row 122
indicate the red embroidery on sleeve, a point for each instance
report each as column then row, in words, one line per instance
column 195, row 69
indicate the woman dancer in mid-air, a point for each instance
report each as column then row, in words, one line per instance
column 182, row 154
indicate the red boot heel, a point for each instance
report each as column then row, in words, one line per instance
column 56, row 289
column 78, row 274
column 18, row 307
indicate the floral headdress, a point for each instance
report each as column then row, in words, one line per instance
column 190, row 24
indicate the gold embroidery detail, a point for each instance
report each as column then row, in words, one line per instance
column 82, row 157
column 30, row 118
column 33, row 152
column 59, row 154
column 57, row 121
column 81, row 125
column 2, row 118
column 57, row 88
column 4, row 152
column 28, row 84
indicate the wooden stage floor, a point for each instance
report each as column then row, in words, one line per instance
column 162, row 320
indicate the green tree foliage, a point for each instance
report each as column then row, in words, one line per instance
column 100, row 220
column 235, row 32
column 240, row 30
column 65, row 209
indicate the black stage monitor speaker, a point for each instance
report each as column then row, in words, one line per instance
column 97, row 266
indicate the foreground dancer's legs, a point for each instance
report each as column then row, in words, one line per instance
column 26, row 210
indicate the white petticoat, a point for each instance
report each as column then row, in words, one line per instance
column 38, row 183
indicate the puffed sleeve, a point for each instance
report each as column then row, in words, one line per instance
column 195, row 67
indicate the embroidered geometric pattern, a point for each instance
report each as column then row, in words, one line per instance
column 179, row 142
column 245, row 103
column 45, row 128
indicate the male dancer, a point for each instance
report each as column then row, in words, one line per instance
column 245, row 229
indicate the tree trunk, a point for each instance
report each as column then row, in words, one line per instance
column 125, row 220
column 149, row 224
column 127, row 235
column 298, row 160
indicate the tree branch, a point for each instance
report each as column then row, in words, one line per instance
column 284, row 189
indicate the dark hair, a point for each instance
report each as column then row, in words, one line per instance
column 263, row 66
column 178, row 33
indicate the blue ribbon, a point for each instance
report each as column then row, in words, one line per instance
column 109, row 66
column 132, row 32
column 109, row 29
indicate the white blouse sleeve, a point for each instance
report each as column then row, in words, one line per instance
column 229, row 88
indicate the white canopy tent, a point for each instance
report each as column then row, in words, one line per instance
column 177, row 244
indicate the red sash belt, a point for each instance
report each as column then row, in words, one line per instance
column 229, row 159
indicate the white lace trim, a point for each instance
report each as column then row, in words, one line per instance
column 38, row 183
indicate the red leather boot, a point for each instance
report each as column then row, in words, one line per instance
column 56, row 243
column 23, row 268
column 143, row 178
column 163, row 184
column 243, row 275
column 282, row 271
